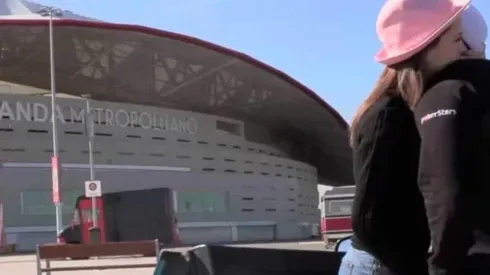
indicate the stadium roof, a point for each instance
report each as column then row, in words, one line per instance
column 24, row 10
column 141, row 65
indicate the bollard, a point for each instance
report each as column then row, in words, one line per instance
column 94, row 233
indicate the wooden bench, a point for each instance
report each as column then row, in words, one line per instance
column 50, row 252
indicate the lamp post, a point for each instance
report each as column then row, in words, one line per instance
column 89, row 124
column 55, row 164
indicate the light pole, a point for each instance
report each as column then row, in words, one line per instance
column 89, row 125
column 50, row 12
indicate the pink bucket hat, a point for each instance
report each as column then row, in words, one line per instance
column 405, row 27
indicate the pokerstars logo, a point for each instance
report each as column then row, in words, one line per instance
column 438, row 113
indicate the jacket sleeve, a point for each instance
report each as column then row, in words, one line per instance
column 447, row 121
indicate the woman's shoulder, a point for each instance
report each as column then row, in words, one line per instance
column 460, row 82
column 389, row 111
column 451, row 90
column 466, row 74
column 452, row 93
column 388, row 118
column 388, row 107
column 464, row 69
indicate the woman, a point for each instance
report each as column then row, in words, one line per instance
column 419, row 38
column 454, row 173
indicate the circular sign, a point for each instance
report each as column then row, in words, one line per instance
column 92, row 186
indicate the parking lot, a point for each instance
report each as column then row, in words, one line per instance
column 26, row 264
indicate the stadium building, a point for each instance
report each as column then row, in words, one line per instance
column 242, row 144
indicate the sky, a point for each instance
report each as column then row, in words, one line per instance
column 327, row 45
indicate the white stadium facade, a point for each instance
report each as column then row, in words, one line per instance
column 242, row 144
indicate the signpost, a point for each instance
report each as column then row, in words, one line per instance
column 93, row 189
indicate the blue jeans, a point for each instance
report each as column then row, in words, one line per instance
column 357, row 262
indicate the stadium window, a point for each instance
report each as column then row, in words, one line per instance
column 73, row 133
column 37, row 131
column 125, row 153
column 93, row 152
column 103, row 134
column 201, row 202
column 12, row 150
column 51, row 151
column 229, row 127
column 39, row 202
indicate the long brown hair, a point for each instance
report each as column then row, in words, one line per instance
column 405, row 79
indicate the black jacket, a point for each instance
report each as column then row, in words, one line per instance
column 453, row 120
column 388, row 215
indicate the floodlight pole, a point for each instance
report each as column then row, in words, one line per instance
column 49, row 12
column 54, row 121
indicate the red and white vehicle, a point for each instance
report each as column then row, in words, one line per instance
column 336, row 206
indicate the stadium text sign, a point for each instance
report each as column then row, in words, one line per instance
column 39, row 112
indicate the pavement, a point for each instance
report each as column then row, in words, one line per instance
column 26, row 264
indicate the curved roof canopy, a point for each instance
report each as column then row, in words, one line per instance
column 140, row 65
column 25, row 10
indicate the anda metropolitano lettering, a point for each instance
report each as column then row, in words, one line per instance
column 39, row 112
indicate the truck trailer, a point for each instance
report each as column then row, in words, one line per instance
column 125, row 216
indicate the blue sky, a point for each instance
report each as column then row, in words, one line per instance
column 327, row 45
